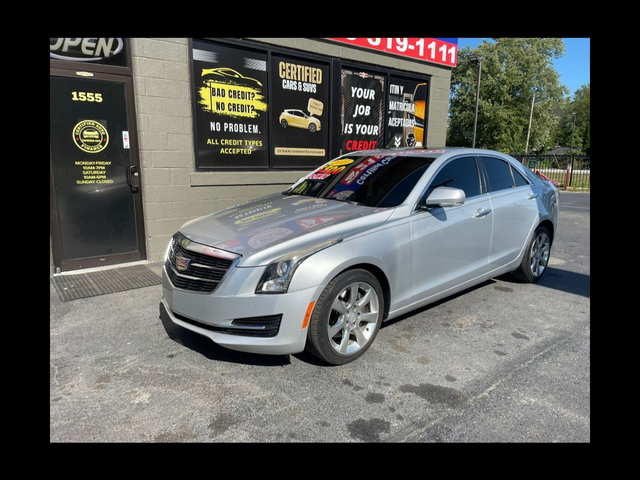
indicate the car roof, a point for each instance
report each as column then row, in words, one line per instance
column 431, row 151
column 407, row 150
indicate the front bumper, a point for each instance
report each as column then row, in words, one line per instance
column 273, row 323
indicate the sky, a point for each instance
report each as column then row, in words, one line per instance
column 574, row 67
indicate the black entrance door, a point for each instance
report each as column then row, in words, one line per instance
column 96, row 206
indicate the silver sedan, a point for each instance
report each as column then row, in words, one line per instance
column 365, row 238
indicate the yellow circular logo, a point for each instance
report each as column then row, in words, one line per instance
column 90, row 136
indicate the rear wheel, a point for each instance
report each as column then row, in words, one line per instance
column 536, row 258
column 346, row 318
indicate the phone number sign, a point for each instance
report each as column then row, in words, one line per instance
column 443, row 51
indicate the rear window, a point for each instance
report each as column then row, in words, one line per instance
column 499, row 173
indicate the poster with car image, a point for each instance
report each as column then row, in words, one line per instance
column 363, row 97
column 230, row 103
column 299, row 112
column 406, row 112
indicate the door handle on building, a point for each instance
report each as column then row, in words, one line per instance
column 134, row 179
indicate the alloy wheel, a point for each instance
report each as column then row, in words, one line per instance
column 353, row 320
column 540, row 254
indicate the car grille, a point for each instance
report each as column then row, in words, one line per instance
column 263, row 327
column 205, row 268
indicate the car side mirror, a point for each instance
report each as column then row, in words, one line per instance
column 445, row 197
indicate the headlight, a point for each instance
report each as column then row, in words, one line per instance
column 177, row 238
column 168, row 251
column 277, row 276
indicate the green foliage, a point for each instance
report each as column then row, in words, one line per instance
column 581, row 105
column 586, row 139
column 513, row 71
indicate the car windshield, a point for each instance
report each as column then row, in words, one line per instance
column 370, row 180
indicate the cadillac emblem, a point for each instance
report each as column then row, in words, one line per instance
column 182, row 263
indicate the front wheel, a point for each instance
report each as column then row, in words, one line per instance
column 284, row 123
column 536, row 257
column 346, row 318
column 312, row 127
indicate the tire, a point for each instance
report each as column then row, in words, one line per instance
column 343, row 328
column 536, row 258
column 312, row 127
column 284, row 123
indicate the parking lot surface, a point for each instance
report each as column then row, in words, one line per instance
column 501, row 362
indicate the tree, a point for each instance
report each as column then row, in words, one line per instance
column 513, row 70
column 586, row 139
column 581, row 105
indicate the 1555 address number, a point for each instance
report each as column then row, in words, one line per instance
column 86, row 97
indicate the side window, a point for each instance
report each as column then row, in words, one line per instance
column 460, row 173
column 499, row 173
column 519, row 179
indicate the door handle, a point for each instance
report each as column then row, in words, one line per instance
column 482, row 213
column 532, row 196
column 134, row 179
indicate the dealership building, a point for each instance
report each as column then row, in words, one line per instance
column 148, row 133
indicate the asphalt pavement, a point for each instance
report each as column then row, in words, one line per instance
column 501, row 362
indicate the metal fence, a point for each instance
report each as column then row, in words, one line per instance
column 566, row 171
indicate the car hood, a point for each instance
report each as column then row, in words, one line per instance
column 266, row 228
